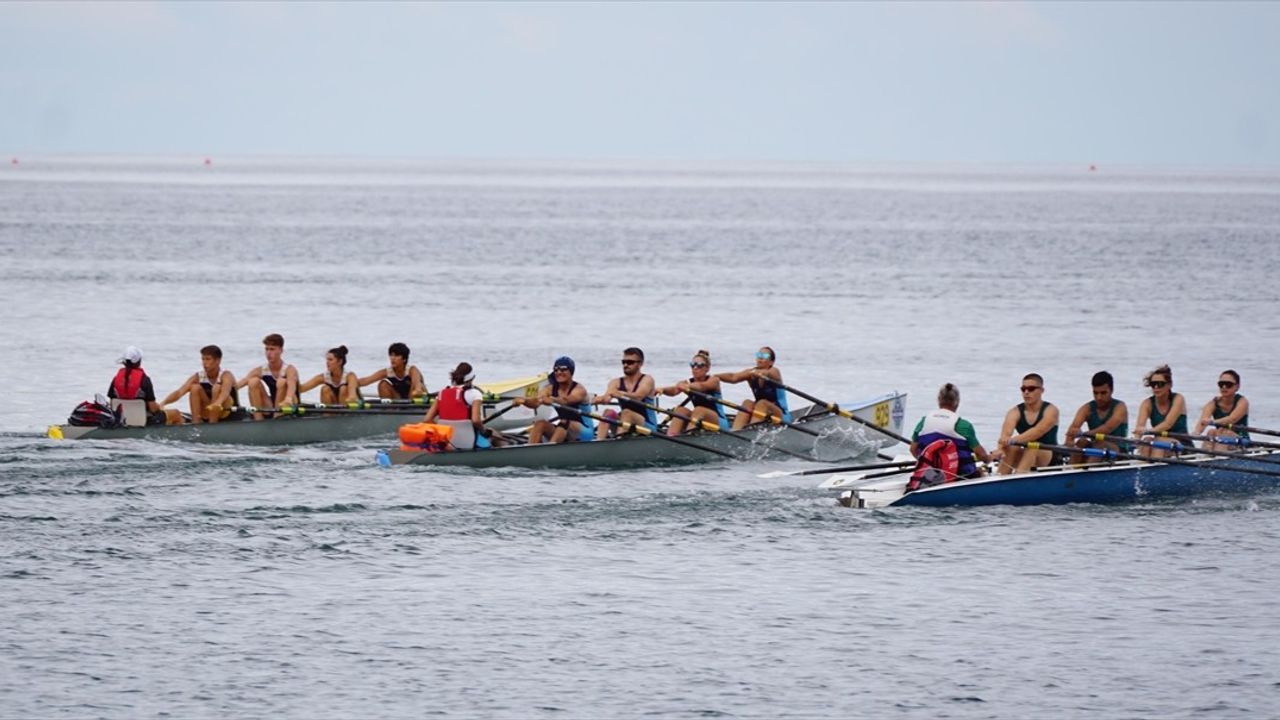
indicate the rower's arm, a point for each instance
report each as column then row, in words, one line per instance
column 226, row 383
column 1206, row 417
column 1144, row 414
column 710, row 385
column 734, row 377
column 417, row 386
column 1037, row 431
column 432, row 412
column 1241, row 409
column 177, row 394
column 1006, row 431
column 579, row 396
column 310, row 384
column 609, row 391
column 1077, row 423
column 1177, row 409
column 1119, row 417
column 244, row 379
column 371, row 379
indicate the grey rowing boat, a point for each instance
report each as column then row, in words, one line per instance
column 312, row 427
column 839, row 439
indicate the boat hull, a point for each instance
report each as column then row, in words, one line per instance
column 306, row 429
column 1124, row 482
column 842, row 439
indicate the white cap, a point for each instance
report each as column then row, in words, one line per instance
column 131, row 354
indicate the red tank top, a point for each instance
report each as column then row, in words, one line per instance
column 452, row 406
column 128, row 383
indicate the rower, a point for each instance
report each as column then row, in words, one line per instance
column 461, row 406
column 211, row 392
column 634, row 393
column 399, row 380
column 1229, row 408
column 273, row 383
column 945, row 423
column 1044, row 429
column 1103, row 415
column 1165, row 409
column 770, row 400
column 570, row 425
column 705, row 409
column 132, row 383
column 336, row 384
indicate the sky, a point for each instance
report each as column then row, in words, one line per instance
column 1182, row 84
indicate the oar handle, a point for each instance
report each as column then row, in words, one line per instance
column 641, row 429
column 756, row 413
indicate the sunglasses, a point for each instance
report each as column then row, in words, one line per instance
column 1224, row 384
column 1031, row 388
column 763, row 356
column 630, row 362
column 696, row 364
column 561, row 368
column 1158, row 383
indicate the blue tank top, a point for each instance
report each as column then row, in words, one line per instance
column 708, row 402
column 572, row 415
column 762, row 389
column 650, row 416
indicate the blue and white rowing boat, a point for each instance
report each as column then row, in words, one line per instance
column 1118, row 482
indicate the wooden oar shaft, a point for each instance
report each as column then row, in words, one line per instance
column 1118, row 455
column 832, row 407
column 641, row 429
column 755, row 413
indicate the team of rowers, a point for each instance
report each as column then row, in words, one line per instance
column 1036, row 421
column 213, row 392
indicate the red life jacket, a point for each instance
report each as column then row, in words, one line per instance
column 128, row 383
column 940, row 457
column 452, row 406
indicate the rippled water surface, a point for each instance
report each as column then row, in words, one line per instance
column 141, row 578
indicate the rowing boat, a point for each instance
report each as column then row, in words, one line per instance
column 838, row 439
column 300, row 429
column 1103, row 483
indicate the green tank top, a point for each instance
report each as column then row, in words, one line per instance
column 1157, row 417
column 1218, row 414
column 1049, row 438
column 1094, row 420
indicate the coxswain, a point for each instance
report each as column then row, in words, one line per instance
column 634, row 392
column 211, row 392
column 461, row 406
column 1103, row 415
column 770, row 400
column 1229, row 408
column 132, row 383
column 1165, row 410
column 1018, row 428
column 273, row 383
column 704, row 409
column 945, row 423
column 336, row 384
column 570, row 424
column 399, row 380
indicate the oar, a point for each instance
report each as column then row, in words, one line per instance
column 712, row 427
column 641, row 429
column 832, row 407
column 845, row 468
column 1179, row 447
column 1117, row 455
column 757, row 413
column 1227, row 440
column 838, row 483
column 499, row 414
column 321, row 408
column 1247, row 428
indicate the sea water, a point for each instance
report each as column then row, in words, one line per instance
column 143, row 578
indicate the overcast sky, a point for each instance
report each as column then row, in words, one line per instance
column 1176, row 83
